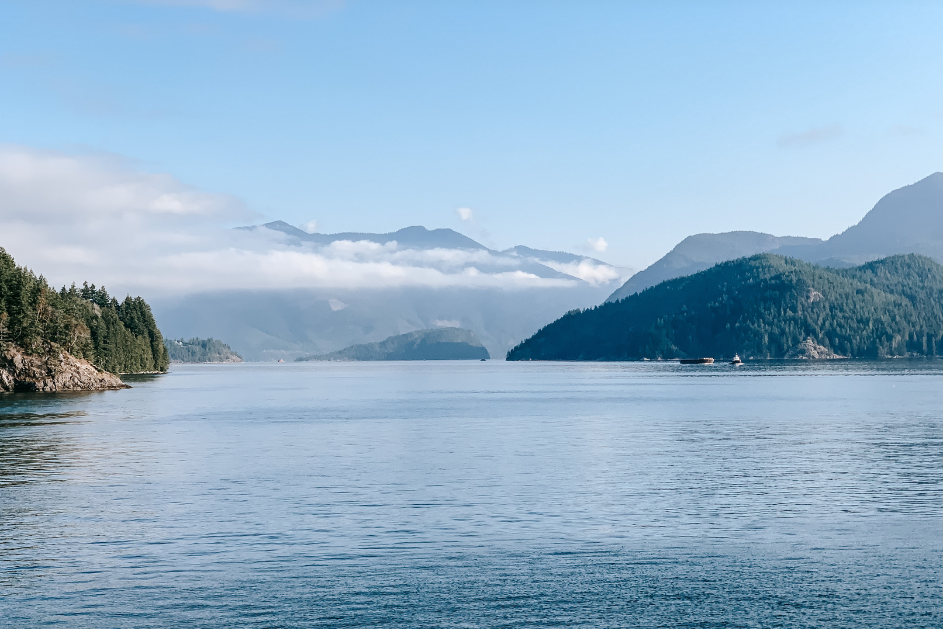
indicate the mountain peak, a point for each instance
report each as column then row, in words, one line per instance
column 909, row 219
column 415, row 236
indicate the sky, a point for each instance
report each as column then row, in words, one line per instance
column 614, row 129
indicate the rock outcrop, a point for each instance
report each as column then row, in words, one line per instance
column 810, row 350
column 57, row 370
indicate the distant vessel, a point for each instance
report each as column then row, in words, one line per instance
column 736, row 360
column 697, row 361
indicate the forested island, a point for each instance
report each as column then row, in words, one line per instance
column 432, row 344
column 74, row 338
column 197, row 350
column 764, row 306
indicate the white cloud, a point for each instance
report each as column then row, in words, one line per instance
column 311, row 227
column 447, row 323
column 94, row 218
column 336, row 304
column 586, row 270
column 597, row 244
column 465, row 213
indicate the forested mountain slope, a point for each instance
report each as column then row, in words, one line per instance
column 761, row 306
column 119, row 337
column 702, row 251
column 906, row 220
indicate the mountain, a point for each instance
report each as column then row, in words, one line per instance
column 537, row 262
column 560, row 257
column 415, row 237
column 702, row 251
column 268, row 325
column 907, row 220
column 200, row 351
column 765, row 306
column 526, row 289
column 436, row 344
column 63, row 340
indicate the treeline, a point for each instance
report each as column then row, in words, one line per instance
column 120, row 337
column 760, row 307
column 201, row 351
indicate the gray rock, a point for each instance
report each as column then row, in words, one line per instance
column 57, row 370
column 810, row 350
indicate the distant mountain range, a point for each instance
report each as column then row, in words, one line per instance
column 415, row 237
column 907, row 220
column 541, row 263
column 288, row 323
column 765, row 306
column 434, row 344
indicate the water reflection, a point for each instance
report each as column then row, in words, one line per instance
column 29, row 446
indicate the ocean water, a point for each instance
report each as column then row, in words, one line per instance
column 479, row 494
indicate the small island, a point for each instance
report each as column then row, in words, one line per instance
column 430, row 344
column 198, row 350
column 74, row 339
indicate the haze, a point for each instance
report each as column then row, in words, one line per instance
column 144, row 130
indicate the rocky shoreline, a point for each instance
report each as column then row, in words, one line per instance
column 810, row 350
column 55, row 371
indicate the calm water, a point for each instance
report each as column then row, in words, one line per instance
column 478, row 495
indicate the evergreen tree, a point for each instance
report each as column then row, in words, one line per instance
column 87, row 322
column 762, row 307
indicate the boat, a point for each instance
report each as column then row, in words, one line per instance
column 736, row 360
column 697, row 361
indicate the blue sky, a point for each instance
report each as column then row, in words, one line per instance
column 638, row 122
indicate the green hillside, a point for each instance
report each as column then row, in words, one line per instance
column 120, row 337
column 761, row 306
column 200, row 351
column 434, row 344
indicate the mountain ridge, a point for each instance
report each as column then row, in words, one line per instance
column 906, row 220
column 761, row 306
column 702, row 251
column 413, row 235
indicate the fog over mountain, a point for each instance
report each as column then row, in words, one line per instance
column 280, row 323
column 907, row 220
column 271, row 290
column 275, row 291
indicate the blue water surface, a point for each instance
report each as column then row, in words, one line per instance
column 479, row 494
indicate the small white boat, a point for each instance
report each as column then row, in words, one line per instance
column 736, row 360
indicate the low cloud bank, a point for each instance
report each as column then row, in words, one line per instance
column 97, row 218
column 586, row 270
